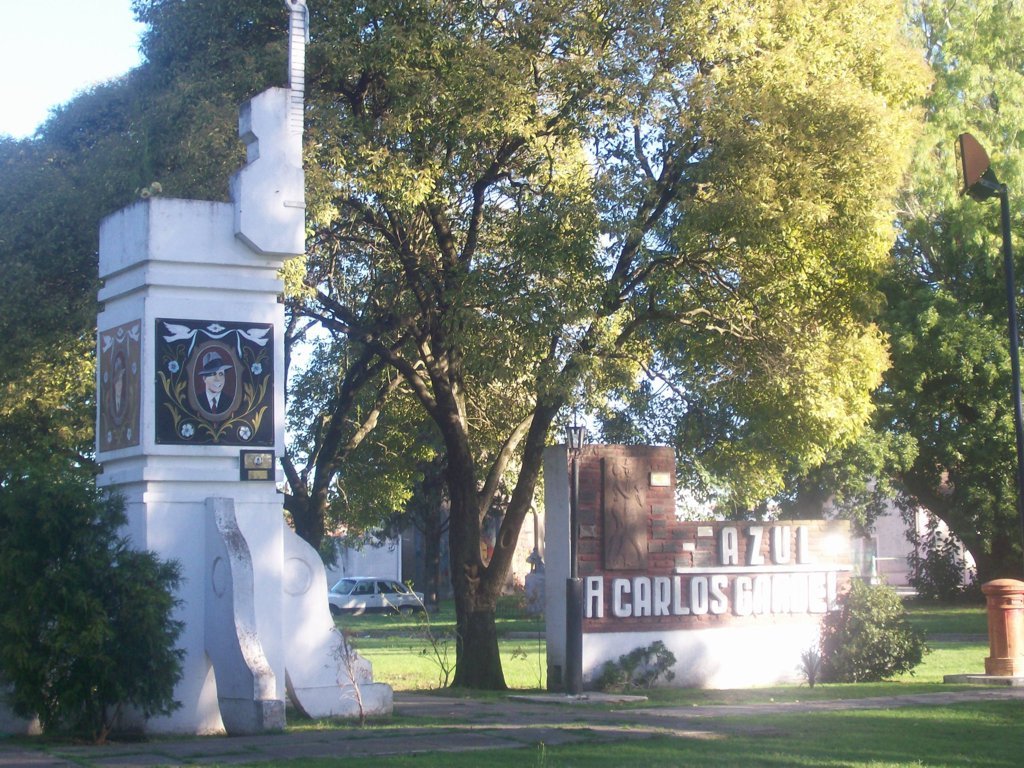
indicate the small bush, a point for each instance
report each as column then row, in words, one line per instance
column 869, row 639
column 640, row 668
column 938, row 573
column 85, row 621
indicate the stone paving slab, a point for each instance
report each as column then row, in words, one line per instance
column 1011, row 682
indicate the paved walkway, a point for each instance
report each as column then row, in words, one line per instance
column 430, row 723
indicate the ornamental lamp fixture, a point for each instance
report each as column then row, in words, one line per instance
column 575, row 435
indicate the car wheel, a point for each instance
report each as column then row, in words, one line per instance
column 335, row 610
column 406, row 610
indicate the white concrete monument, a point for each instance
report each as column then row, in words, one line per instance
column 190, row 423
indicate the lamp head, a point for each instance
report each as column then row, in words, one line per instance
column 575, row 434
column 974, row 169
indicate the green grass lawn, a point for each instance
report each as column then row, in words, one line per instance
column 933, row 619
column 417, row 652
column 957, row 639
column 411, row 664
column 969, row 735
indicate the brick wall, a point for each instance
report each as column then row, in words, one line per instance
column 688, row 575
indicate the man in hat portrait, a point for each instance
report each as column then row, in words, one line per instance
column 214, row 399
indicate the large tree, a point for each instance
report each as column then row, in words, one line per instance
column 517, row 204
column 950, row 388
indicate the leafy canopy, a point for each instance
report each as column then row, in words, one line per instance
column 950, row 388
column 517, row 202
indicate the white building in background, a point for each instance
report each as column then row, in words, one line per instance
column 884, row 555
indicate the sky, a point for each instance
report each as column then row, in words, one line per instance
column 50, row 50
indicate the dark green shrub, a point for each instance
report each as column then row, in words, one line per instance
column 938, row 573
column 640, row 668
column 86, row 622
column 869, row 639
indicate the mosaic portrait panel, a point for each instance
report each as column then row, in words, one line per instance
column 120, row 379
column 214, row 383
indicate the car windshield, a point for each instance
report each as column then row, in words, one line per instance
column 344, row 587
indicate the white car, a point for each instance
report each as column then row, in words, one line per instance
column 363, row 594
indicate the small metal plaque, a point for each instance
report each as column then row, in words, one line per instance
column 256, row 465
column 660, row 480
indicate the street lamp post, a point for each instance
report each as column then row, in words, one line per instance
column 978, row 181
column 575, row 435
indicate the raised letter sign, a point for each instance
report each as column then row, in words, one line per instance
column 729, row 546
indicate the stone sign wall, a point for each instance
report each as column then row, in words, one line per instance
column 736, row 602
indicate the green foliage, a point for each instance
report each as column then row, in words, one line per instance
column 173, row 122
column 513, row 203
column 355, row 440
column 47, row 309
column 810, row 665
column 640, row 668
column 938, row 567
column 855, row 482
column 949, row 388
column 770, row 364
column 942, row 433
column 86, row 627
column 869, row 638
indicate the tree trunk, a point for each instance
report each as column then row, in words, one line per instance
column 308, row 520
column 1001, row 562
column 994, row 551
column 477, row 588
column 477, row 660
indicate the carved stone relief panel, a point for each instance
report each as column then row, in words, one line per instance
column 625, row 514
